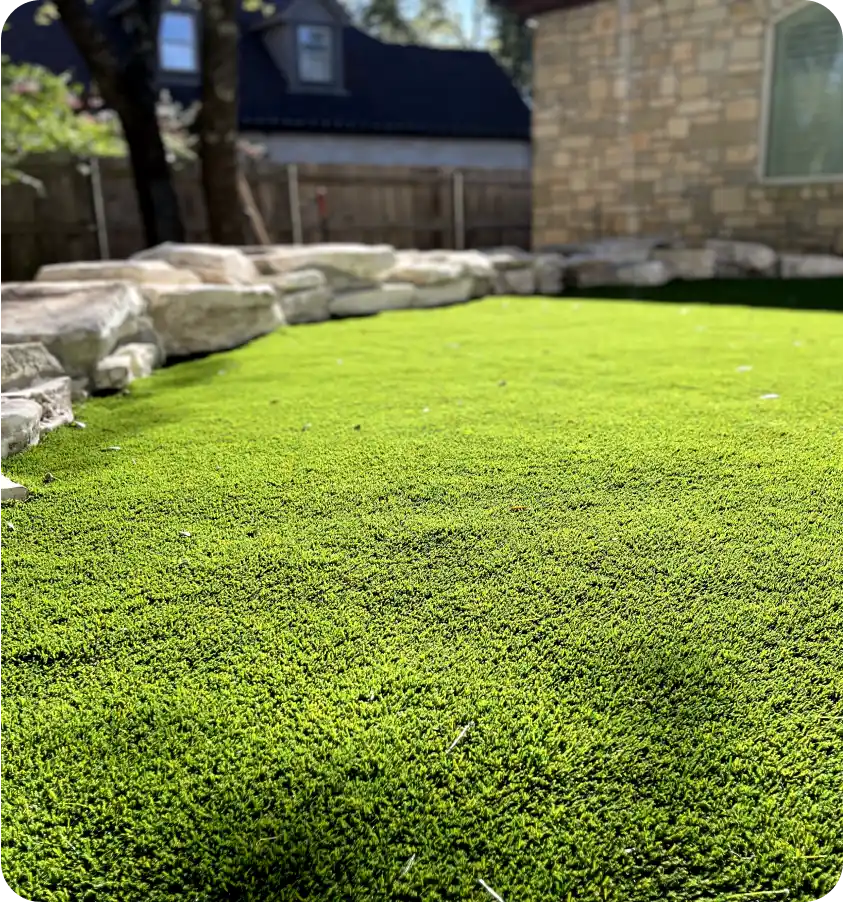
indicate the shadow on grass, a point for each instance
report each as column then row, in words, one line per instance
column 795, row 294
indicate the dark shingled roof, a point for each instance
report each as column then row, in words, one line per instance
column 391, row 89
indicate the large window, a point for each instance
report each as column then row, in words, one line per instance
column 177, row 42
column 805, row 121
column 314, row 54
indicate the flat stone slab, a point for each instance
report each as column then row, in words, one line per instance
column 510, row 258
column 473, row 264
column 458, row 291
column 625, row 249
column 549, row 271
column 389, row 296
column 742, row 258
column 197, row 319
column 308, row 306
column 419, row 271
column 595, row 273
column 810, row 266
column 11, row 491
column 297, row 280
column 127, row 363
column 20, row 420
column 55, row 399
column 211, row 263
column 364, row 262
column 25, row 364
column 690, row 264
column 516, row 280
column 78, row 322
column 140, row 271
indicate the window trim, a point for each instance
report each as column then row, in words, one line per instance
column 767, row 108
column 332, row 80
column 194, row 19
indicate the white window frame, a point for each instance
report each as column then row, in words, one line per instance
column 194, row 24
column 329, row 30
column 767, row 108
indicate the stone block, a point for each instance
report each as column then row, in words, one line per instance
column 20, row 420
column 25, row 364
column 139, row 271
column 54, row 398
column 211, row 263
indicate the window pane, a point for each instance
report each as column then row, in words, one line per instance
column 177, row 27
column 314, row 54
column 317, row 37
column 177, row 58
column 806, row 99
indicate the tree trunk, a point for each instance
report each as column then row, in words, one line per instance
column 128, row 87
column 218, row 123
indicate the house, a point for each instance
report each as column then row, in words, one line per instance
column 691, row 118
column 313, row 88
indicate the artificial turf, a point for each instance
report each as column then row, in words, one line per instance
column 575, row 528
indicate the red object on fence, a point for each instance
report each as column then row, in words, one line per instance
column 322, row 202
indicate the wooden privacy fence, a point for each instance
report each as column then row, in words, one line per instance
column 90, row 211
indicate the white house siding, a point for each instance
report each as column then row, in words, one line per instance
column 461, row 153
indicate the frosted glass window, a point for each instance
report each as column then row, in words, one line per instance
column 177, row 45
column 315, row 54
column 805, row 137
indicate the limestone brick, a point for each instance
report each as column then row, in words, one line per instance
column 685, row 162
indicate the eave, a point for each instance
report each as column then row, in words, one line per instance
column 526, row 9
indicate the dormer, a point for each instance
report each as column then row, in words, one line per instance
column 179, row 32
column 305, row 40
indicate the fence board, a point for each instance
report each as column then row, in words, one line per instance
column 408, row 207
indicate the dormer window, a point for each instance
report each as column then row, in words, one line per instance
column 315, row 54
column 178, row 46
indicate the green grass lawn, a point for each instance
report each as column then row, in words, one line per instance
column 574, row 527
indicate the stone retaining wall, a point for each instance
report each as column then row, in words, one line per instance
column 83, row 328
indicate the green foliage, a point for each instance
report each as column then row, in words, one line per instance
column 438, row 23
column 512, row 46
column 622, row 566
column 39, row 115
column 42, row 113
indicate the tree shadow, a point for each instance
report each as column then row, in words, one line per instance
column 794, row 294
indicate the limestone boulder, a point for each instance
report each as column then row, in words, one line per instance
column 625, row 249
column 142, row 272
column 346, row 266
column 297, row 280
column 810, row 266
column 514, row 271
column 456, row 291
column 25, row 364
column 473, row 264
column 596, row 273
column 389, row 296
column 197, row 319
column 737, row 259
column 690, row 264
column 11, row 491
column 303, row 295
column 509, row 258
column 20, row 420
column 80, row 389
column 54, row 398
column 549, row 274
column 420, row 271
column 78, row 322
column 311, row 305
column 210, row 263
column 645, row 273
column 144, row 334
column 520, row 280
column 124, row 365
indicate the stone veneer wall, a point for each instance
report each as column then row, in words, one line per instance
column 688, row 166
